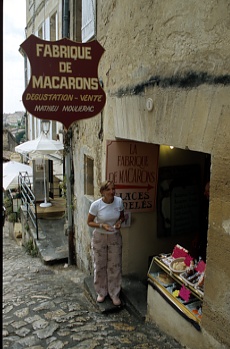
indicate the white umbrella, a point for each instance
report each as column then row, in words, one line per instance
column 40, row 147
column 11, row 171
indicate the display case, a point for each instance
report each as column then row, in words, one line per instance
column 181, row 294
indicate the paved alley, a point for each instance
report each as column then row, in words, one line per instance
column 47, row 306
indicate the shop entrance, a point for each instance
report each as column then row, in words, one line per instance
column 176, row 276
column 182, row 198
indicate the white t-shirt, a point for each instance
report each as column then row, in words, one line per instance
column 107, row 213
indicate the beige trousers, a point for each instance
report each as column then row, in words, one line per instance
column 107, row 258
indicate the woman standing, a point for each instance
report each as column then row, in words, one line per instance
column 106, row 216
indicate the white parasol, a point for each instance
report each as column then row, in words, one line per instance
column 11, row 171
column 41, row 147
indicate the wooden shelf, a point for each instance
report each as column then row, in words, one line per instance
column 197, row 293
column 186, row 308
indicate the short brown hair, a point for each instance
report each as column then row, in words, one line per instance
column 105, row 185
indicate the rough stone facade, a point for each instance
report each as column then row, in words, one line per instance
column 177, row 53
column 9, row 141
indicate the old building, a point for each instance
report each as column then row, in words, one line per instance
column 44, row 19
column 9, row 141
column 165, row 72
column 176, row 55
column 8, row 144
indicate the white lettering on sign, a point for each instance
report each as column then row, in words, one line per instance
column 63, row 51
column 78, row 108
column 49, row 97
column 64, row 82
column 91, row 98
column 47, row 108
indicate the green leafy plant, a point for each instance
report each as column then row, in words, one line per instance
column 8, row 205
column 62, row 186
column 12, row 217
column 31, row 248
column 16, row 196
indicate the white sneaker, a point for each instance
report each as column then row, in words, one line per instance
column 100, row 299
column 116, row 300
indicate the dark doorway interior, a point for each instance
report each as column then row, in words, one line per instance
column 182, row 200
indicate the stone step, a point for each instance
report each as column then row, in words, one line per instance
column 133, row 297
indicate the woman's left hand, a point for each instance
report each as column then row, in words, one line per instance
column 117, row 225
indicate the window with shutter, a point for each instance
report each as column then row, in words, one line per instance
column 88, row 20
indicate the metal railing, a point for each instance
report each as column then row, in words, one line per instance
column 28, row 198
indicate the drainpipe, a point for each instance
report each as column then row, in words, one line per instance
column 67, row 144
column 26, row 83
column 65, row 19
column 68, row 137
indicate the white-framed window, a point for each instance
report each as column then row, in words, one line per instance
column 40, row 32
column 43, row 31
column 53, row 27
column 47, row 29
column 88, row 29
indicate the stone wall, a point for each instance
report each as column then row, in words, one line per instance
column 164, row 39
column 176, row 53
column 86, row 142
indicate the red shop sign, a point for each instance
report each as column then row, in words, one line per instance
column 133, row 167
column 64, row 84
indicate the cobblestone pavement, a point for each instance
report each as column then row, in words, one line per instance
column 47, row 307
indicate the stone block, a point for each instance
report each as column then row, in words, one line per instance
column 18, row 230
